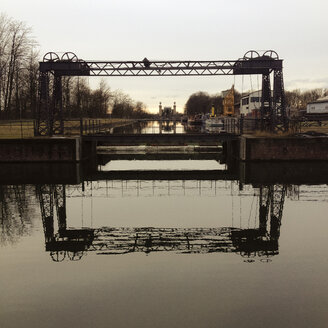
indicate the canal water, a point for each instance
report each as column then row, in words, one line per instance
column 163, row 127
column 163, row 252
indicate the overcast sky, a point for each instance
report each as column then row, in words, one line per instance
column 183, row 30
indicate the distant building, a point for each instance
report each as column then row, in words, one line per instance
column 320, row 106
column 167, row 111
column 250, row 103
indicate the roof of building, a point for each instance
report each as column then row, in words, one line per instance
column 320, row 100
column 249, row 93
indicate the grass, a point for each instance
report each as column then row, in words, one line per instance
column 16, row 129
column 25, row 129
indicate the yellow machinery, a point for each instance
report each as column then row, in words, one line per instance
column 228, row 102
column 213, row 111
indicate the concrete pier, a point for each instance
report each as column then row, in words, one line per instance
column 298, row 148
column 41, row 150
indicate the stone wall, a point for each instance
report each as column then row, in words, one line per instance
column 40, row 150
column 283, row 148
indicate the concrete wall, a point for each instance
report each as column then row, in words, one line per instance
column 40, row 173
column 283, row 148
column 40, row 150
column 259, row 173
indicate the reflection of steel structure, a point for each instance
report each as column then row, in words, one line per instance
column 167, row 126
column 142, row 188
column 49, row 121
column 73, row 243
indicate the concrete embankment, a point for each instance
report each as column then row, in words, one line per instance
column 245, row 148
column 41, row 150
column 284, row 148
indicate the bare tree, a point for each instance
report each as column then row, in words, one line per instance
column 17, row 65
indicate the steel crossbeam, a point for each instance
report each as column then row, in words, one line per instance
column 160, row 68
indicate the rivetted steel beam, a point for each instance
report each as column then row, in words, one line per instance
column 164, row 68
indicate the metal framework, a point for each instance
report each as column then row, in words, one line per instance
column 49, row 120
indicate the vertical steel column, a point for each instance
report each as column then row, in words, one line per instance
column 60, row 201
column 44, row 114
column 264, row 209
column 266, row 103
column 45, row 195
column 279, row 105
column 57, row 123
column 277, row 205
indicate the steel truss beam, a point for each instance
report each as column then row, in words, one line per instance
column 162, row 68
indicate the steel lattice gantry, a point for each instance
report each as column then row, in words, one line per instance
column 52, row 68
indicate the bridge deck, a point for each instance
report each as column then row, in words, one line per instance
column 161, row 139
column 164, row 175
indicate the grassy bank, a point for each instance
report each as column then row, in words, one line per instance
column 25, row 128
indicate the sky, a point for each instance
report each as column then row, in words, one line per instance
column 183, row 30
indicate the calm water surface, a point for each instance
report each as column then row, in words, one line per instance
column 158, row 253
column 162, row 127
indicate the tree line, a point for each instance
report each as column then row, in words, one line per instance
column 19, row 56
column 201, row 102
column 298, row 99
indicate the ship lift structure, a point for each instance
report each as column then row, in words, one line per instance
column 53, row 68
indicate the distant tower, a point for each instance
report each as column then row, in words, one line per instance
column 174, row 108
column 160, row 109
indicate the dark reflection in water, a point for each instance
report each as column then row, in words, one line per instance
column 180, row 253
column 249, row 243
column 16, row 213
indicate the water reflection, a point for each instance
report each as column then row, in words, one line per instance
column 165, row 126
column 260, row 242
column 15, row 213
column 63, row 242
column 112, row 246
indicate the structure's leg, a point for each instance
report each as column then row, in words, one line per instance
column 60, row 201
column 264, row 209
column 279, row 105
column 266, row 103
column 277, row 204
column 45, row 195
column 57, row 103
column 43, row 120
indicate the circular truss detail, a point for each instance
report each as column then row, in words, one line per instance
column 50, row 57
column 251, row 54
column 69, row 56
column 272, row 54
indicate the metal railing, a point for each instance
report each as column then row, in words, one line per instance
column 10, row 129
column 16, row 129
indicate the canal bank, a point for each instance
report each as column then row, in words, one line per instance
column 291, row 148
column 245, row 148
column 46, row 149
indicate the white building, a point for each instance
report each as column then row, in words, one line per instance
column 250, row 102
column 320, row 106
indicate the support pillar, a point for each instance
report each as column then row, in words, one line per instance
column 279, row 105
column 266, row 103
column 57, row 104
column 43, row 112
